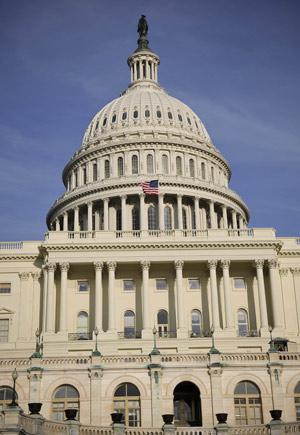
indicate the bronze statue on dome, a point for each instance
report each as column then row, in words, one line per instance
column 142, row 26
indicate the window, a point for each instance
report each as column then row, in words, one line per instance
column 124, row 116
column 127, row 402
column 84, row 178
column 189, row 120
column 128, row 285
column 6, row 396
column 203, row 174
column 5, row 287
column 152, row 218
column 242, row 318
column 239, row 283
column 4, row 330
column 83, row 286
column 82, row 324
column 120, row 167
column 150, row 165
column 158, row 113
column 192, row 167
column 104, row 122
column 118, row 219
column 170, row 116
column 194, row 283
column 212, row 174
column 134, row 164
column 96, row 126
column 129, row 324
column 135, row 217
column 179, row 117
column 106, row 169
column 135, row 114
column 297, row 401
column 162, row 323
column 247, row 404
column 178, row 165
column 184, row 219
column 165, row 164
column 161, row 284
column 114, row 118
column 76, row 177
column 147, row 113
column 196, row 323
column 65, row 397
column 95, row 172
column 168, row 218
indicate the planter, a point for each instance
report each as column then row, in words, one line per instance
column 34, row 408
column 70, row 414
column 222, row 417
column 276, row 414
column 168, row 418
column 116, row 417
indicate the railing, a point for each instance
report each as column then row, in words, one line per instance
column 80, row 336
column 195, row 431
column 248, row 232
column 260, row 429
column 291, row 428
column 166, row 334
column 201, row 334
column 94, row 430
column 130, row 335
column 11, row 245
column 143, row 431
column 252, row 333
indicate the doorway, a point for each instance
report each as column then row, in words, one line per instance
column 187, row 405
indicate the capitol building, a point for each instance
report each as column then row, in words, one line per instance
column 150, row 293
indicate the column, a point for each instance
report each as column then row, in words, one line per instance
column 152, row 71
column 276, row 296
column 97, row 219
column 63, row 312
column 262, row 294
column 180, row 299
column 26, row 300
column 57, row 228
column 234, row 221
column 65, row 224
column 35, row 324
column 142, row 212
column 179, row 211
column 45, row 283
column 140, row 69
column 90, row 216
column 212, row 264
column 225, row 220
column 161, row 211
column 146, row 299
column 76, row 219
column 227, row 294
column 98, row 295
column 123, row 212
column 212, row 215
column 50, row 313
column 111, row 296
column 197, row 214
column 241, row 222
column 105, row 213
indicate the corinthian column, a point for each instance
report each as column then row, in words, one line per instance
column 262, row 296
column 50, row 312
column 63, row 315
column 181, row 326
column 45, row 283
column 179, row 211
column 98, row 294
column 161, row 211
column 212, row 264
column 276, row 296
column 123, row 212
column 146, row 332
column 111, row 297
column 90, row 216
column 227, row 294
column 105, row 213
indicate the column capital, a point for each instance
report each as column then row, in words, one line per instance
column 259, row 263
column 212, row 264
column 284, row 271
column 295, row 270
column 98, row 265
column 24, row 276
column 145, row 265
column 112, row 265
column 89, row 204
column 76, row 208
column 51, row 266
column 36, row 275
column 225, row 264
column 123, row 196
column 64, row 266
column 179, row 264
column 273, row 263
column 142, row 195
column 105, row 199
column 179, row 195
column 65, row 213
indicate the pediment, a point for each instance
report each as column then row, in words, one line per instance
column 6, row 311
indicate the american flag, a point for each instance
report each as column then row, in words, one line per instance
column 150, row 187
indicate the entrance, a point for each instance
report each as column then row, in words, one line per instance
column 187, row 405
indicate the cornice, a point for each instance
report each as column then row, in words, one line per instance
column 18, row 257
column 290, row 253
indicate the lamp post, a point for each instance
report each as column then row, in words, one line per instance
column 96, row 351
column 155, row 350
column 272, row 347
column 14, row 376
column 213, row 349
column 37, row 353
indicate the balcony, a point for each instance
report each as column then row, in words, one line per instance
column 80, row 336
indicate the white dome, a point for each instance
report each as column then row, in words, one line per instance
column 145, row 106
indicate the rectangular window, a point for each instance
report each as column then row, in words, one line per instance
column 5, row 287
column 83, row 286
column 4, row 326
column 194, row 283
column 95, row 172
column 239, row 283
column 84, row 175
column 128, row 285
column 161, row 284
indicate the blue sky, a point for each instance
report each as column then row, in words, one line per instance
column 235, row 62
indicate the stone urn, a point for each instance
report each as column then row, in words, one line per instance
column 222, row 417
column 70, row 413
column 34, row 407
column 168, row 418
column 276, row 414
column 116, row 417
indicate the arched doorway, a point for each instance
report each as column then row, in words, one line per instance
column 187, row 405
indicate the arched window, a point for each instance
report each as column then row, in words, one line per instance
column 147, row 113
column 189, row 120
column 114, row 118
column 82, row 325
column 178, row 165
column 243, row 327
column 6, row 396
column 196, row 323
column 127, row 402
column 212, row 174
column 297, row 401
column 106, row 169
column 247, row 404
column 129, row 324
column 152, row 218
column 104, row 122
column 165, row 164
column 184, row 218
column 179, row 117
column 162, row 323
column 134, row 164
column 124, row 116
column 168, row 218
column 192, row 167
column 64, row 397
column 135, row 114
column 158, row 114
column 150, row 165
column 135, row 218
column 118, row 219
column 120, row 167
column 203, row 174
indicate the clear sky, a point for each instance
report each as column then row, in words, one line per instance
column 235, row 62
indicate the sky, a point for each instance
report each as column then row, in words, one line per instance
column 235, row 62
